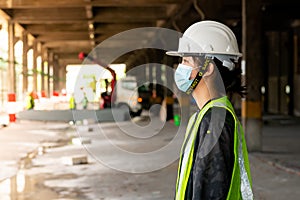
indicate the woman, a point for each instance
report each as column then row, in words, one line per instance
column 214, row 160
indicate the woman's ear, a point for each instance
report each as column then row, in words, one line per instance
column 210, row 70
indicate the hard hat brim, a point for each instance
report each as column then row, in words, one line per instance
column 183, row 54
column 188, row 54
column 173, row 53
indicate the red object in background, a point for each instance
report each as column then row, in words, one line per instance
column 81, row 55
column 12, row 117
column 55, row 93
column 11, row 97
column 43, row 94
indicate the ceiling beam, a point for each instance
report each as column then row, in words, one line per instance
column 47, row 14
column 66, row 48
column 104, row 28
column 62, row 36
column 125, row 15
column 78, row 15
column 82, row 3
column 46, row 28
column 67, row 55
column 64, row 62
column 67, row 44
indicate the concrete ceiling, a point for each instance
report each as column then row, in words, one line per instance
column 70, row 26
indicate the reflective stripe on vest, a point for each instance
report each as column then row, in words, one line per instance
column 240, row 187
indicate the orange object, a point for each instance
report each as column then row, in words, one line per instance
column 43, row 93
column 11, row 113
column 12, row 117
column 11, row 97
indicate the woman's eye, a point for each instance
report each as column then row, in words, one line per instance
column 186, row 62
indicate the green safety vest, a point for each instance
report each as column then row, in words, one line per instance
column 72, row 103
column 29, row 102
column 240, row 187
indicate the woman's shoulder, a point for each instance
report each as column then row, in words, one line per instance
column 217, row 114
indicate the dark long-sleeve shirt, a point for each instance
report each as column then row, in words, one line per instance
column 213, row 161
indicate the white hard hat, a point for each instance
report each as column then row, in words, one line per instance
column 209, row 38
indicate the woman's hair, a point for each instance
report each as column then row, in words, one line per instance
column 231, row 79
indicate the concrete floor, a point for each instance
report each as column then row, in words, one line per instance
column 45, row 173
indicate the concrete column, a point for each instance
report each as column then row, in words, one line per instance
column 169, row 90
column 142, row 76
column 56, row 78
column 150, row 78
column 11, row 58
column 159, row 82
column 42, row 70
column 34, row 70
column 40, row 67
column 24, row 60
column 150, row 71
column 62, row 76
column 252, row 65
column 45, row 72
column 296, row 71
column 50, row 65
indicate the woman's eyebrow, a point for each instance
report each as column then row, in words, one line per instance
column 185, row 60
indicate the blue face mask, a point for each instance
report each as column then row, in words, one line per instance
column 182, row 77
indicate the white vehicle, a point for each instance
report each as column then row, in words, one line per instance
column 89, row 79
column 127, row 96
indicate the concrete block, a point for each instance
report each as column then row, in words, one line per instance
column 82, row 128
column 88, row 121
column 49, row 145
column 81, row 141
column 76, row 160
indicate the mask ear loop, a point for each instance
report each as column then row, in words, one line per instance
column 198, row 78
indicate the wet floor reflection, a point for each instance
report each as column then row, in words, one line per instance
column 23, row 187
